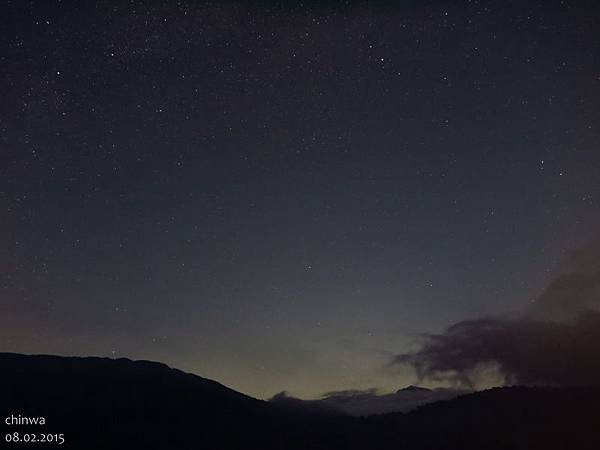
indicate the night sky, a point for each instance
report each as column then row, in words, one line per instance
column 284, row 197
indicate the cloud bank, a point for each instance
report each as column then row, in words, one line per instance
column 555, row 342
column 369, row 402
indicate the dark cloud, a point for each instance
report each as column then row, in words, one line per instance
column 557, row 341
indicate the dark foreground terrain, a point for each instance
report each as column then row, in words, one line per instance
column 100, row 403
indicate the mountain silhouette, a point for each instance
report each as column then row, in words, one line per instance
column 122, row 404
column 362, row 403
column 413, row 388
column 498, row 419
column 102, row 403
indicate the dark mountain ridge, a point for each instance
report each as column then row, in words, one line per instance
column 123, row 404
column 119, row 403
column 515, row 417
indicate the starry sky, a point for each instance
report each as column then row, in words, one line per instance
column 284, row 196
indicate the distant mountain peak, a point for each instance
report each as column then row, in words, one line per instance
column 413, row 388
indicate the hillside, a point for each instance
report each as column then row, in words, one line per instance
column 123, row 404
